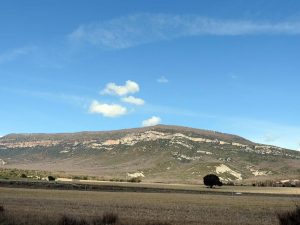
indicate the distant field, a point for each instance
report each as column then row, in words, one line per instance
column 139, row 208
column 226, row 189
column 85, row 185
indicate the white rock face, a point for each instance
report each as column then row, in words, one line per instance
column 29, row 144
column 64, row 151
column 177, row 138
column 180, row 157
column 223, row 143
column 239, row 145
column 2, row 162
column 64, row 179
column 204, row 152
column 259, row 173
column 225, row 169
column 182, row 144
column 135, row 175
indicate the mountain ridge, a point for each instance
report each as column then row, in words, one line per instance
column 161, row 153
column 129, row 130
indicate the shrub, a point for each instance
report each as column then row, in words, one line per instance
column 2, row 215
column 290, row 218
column 117, row 180
column 23, row 175
column 135, row 180
column 51, row 178
column 110, row 218
column 97, row 221
column 68, row 220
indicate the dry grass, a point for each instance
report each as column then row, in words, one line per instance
column 143, row 208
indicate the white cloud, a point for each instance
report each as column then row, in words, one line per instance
column 162, row 79
column 107, row 110
column 133, row 100
column 15, row 53
column 154, row 120
column 130, row 87
column 137, row 29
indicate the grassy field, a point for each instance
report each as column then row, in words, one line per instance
column 86, row 185
column 223, row 189
column 38, row 206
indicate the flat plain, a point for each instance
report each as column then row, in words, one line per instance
column 141, row 208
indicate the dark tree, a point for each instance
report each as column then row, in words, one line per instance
column 51, row 178
column 211, row 180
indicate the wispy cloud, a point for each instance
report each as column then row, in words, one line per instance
column 137, row 29
column 133, row 100
column 71, row 99
column 162, row 80
column 270, row 138
column 14, row 54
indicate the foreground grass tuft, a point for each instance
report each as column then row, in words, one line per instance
column 290, row 218
column 110, row 218
column 158, row 223
column 68, row 220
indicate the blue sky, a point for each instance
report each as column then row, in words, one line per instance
column 230, row 66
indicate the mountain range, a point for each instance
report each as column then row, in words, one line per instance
column 161, row 153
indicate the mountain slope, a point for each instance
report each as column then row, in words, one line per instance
column 160, row 153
